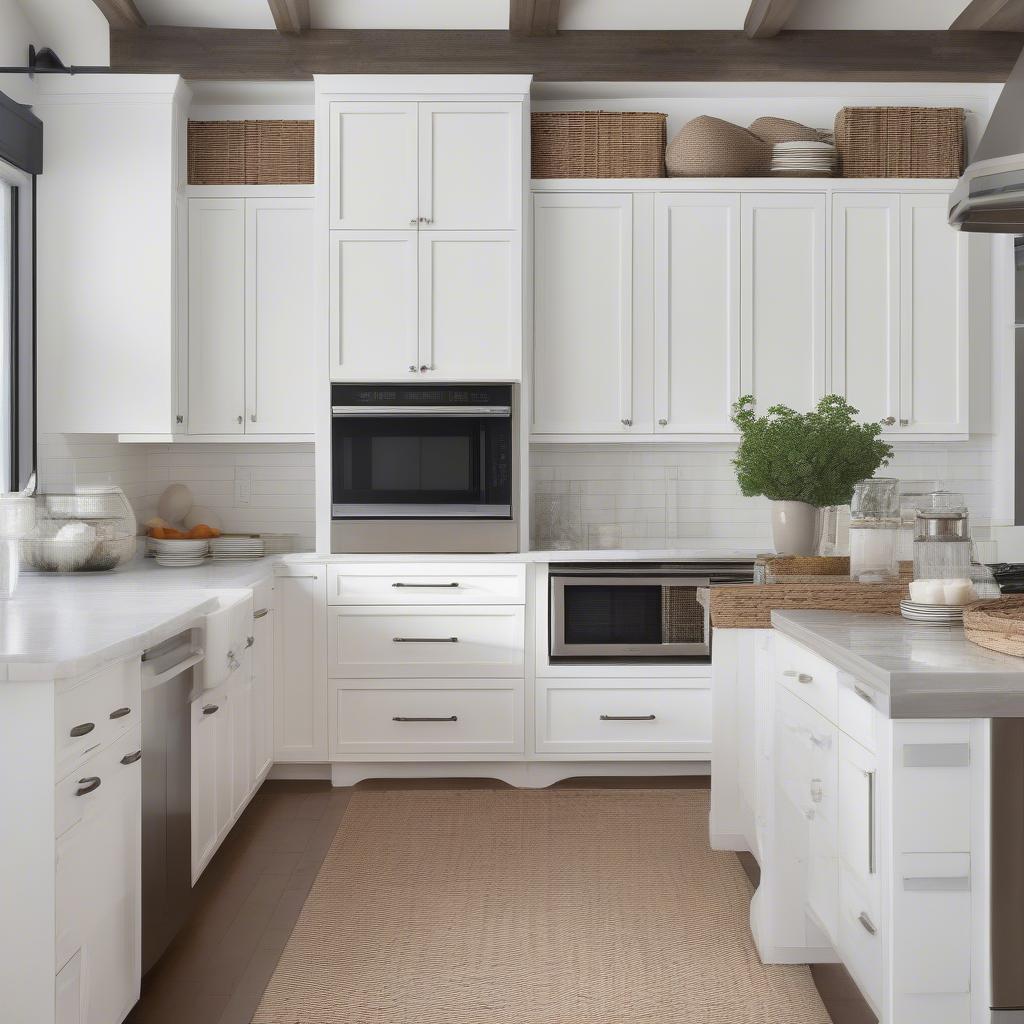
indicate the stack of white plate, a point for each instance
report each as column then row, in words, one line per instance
column 236, row 547
column 804, row 159
column 937, row 614
column 179, row 552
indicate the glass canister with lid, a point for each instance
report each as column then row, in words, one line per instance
column 942, row 537
column 874, row 526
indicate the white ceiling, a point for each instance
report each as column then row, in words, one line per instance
column 575, row 14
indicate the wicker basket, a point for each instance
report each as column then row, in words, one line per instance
column 597, row 144
column 900, row 142
column 708, row 147
column 807, row 565
column 997, row 625
column 250, row 152
column 749, row 606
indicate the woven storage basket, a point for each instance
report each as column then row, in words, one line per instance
column 808, row 565
column 997, row 625
column 597, row 144
column 749, row 606
column 250, row 152
column 900, row 142
column 708, row 147
column 777, row 129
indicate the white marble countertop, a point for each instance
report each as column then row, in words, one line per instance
column 574, row 555
column 922, row 671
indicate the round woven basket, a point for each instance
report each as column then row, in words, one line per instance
column 777, row 129
column 708, row 147
column 997, row 625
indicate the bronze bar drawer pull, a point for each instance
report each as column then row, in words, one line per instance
column 426, row 586
column 132, row 758
column 403, row 718
column 424, row 639
column 211, row 709
column 82, row 730
column 120, row 712
column 260, row 613
column 628, row 718
column 87, row 785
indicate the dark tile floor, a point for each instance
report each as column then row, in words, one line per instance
column 249, row 898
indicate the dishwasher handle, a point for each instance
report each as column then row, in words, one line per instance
column 195, row 655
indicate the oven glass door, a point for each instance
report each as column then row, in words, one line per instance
column 421, row 466
column 616, row 617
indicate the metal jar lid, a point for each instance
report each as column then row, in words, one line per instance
column 942, row 526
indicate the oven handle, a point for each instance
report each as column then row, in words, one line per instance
column 475, row 411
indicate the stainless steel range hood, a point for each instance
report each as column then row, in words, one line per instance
column 990, row 195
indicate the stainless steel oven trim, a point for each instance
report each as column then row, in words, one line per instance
column 446, row 411
column 558, row 648
column 421, row 511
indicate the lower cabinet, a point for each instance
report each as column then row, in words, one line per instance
column 99, row 886
column 261, row 735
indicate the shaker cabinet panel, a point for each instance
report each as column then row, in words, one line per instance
column 866, row 303
column 583, row 313
column 279, row 325
column 697, row 321
column 783, row 300
column 470, row 304
column 216, row 316
column 470, row 165
column 373, row 305
column 373, row 165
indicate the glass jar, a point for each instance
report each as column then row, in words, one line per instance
column 942, row 538
column 874, row 528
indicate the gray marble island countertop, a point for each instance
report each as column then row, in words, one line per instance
column 924, row 671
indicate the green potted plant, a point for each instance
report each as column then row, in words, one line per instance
column 804, row 462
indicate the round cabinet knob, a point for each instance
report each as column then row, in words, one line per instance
column 412, row 369
column 662, row 423
column 627, row 423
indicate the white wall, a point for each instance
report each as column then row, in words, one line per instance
column 16, row 33
column 75, row 29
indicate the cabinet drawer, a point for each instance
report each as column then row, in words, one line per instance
column 426, row 584
column 805, row 674
column 435, row 717
column 615, row 717
column 417, row 641
column 859, row 942
column 858, row 817
column 91, row 714
column 858, row 709
column 805, row 751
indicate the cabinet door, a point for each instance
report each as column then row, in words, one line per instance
column 934, row 318
column 471, row 165
column 261, row 736
column 858, row 842
column 216, row 316
column 782, row 309
column 866, row 302
column 279, row 330
column 697, row 312
column 300, row 671
column 373, row 165
column 583, row 309
column 211, row 776
column 373, row 305
column 241, row 744
column 470, row 304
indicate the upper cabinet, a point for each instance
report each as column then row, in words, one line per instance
column 250, row 338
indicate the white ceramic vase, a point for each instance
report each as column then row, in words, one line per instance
column 794, row 527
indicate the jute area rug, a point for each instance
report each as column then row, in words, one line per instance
column 530, row 907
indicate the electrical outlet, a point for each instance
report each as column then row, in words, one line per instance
column 243, row 485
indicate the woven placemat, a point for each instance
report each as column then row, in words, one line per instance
column 997, row 625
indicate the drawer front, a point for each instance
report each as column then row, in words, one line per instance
column 387, row 642
column 374, row 716
column 96, row 711
column 858, row 818
column 427, row 584
column 610, row 716
column 859, row 940
column 811, row 678
column 858, row 711
column 805, row 751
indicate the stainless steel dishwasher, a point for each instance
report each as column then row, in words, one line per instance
column 167, row 685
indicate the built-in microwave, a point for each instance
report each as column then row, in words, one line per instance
column 423, row 468
column 637, row 610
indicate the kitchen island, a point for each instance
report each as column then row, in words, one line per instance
column 873, row 766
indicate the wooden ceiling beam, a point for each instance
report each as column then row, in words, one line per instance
column 533, row 17
column 597, row 56
column 121, row 14
column 991, row 16
column 290, row 16
column 766, row 18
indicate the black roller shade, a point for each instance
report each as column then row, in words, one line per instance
column 21, row 136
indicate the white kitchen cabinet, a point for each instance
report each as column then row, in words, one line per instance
column 240, row 720
column 250, row 350
column 374, row 305
column 866, row 302
column 933, row 319
column 280, row 360
column 470, row 304
column 374, row 165
column 300, row 664
column 470, row 165
column 696, row 309
column 212, row 765
column 783, row 299
column 216, row 316
column 583, row 354
column 262, row 709
column 98, row 886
